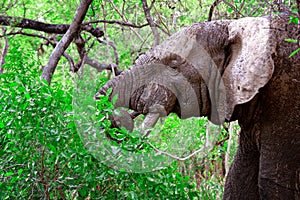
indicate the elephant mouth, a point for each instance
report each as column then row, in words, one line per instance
column 122, row 118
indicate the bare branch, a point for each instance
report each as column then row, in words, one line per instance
column 124, row 19
column 212, row 7
column 176, row 157
column 4, row 52
column 100, row 66
column 117, row 22
column 66, row 40
column 211, row 10
column 47, row 28
column 69, row 58
column 20, row 32
column 80, row 43
column 112, row 44
column 61, row 28
column 163, row 23
column 233, row 8
column 150, row 21
column 48, row 41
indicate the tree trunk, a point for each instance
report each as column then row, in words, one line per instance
column 66, row 40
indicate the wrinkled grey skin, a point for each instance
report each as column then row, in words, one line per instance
column 262, row 92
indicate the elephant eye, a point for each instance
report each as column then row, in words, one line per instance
column 174, row 63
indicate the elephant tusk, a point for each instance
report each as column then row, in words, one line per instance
column 151, row 119
column 134, row 114
column 148, row 123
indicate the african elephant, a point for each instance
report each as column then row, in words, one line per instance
column 255, row 83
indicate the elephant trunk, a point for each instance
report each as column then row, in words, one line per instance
column 103, row 90
column 120, row 118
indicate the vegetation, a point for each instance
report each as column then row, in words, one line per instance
column 42, row 152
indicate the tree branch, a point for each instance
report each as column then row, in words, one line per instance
column 176, row 157
column 93, row 63
column 216, row 2
column 124, row 19
column 47, row 28
column 150, row 21
column 4, row 52
column 211, row 10
column 100, row 66
column 66, row 40
column 117, row 22
column 47, row 42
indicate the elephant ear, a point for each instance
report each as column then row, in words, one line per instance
column 250, row 66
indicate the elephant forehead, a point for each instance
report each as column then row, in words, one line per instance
column 142, row 76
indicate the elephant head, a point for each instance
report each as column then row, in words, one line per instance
column 203, row 70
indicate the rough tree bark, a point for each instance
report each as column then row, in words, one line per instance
column 66, row 40
column 45, row 27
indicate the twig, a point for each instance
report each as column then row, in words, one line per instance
column 212, row 7
column 222, row 141
column 93, row 63
column 9, row 5
column 117, row 22
column 233, row 7
column 242, row 6
column 211, row 10
column 124, row 19
column 161, row 21
column 15, row 165
column 176, row 157
column 112, row 44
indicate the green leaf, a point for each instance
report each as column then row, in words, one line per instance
column 27, row 96
column 8, row 174
column 294, row 20
column 230, row 10
column 20, row 172
column 291, row 40
column 8, row 135
column 294, row 52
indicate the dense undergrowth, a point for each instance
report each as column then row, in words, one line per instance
column 43, row 157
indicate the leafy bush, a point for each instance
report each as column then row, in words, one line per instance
column 42, row 156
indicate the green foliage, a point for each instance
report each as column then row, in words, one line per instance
column 42, row 155
column 294, row 20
